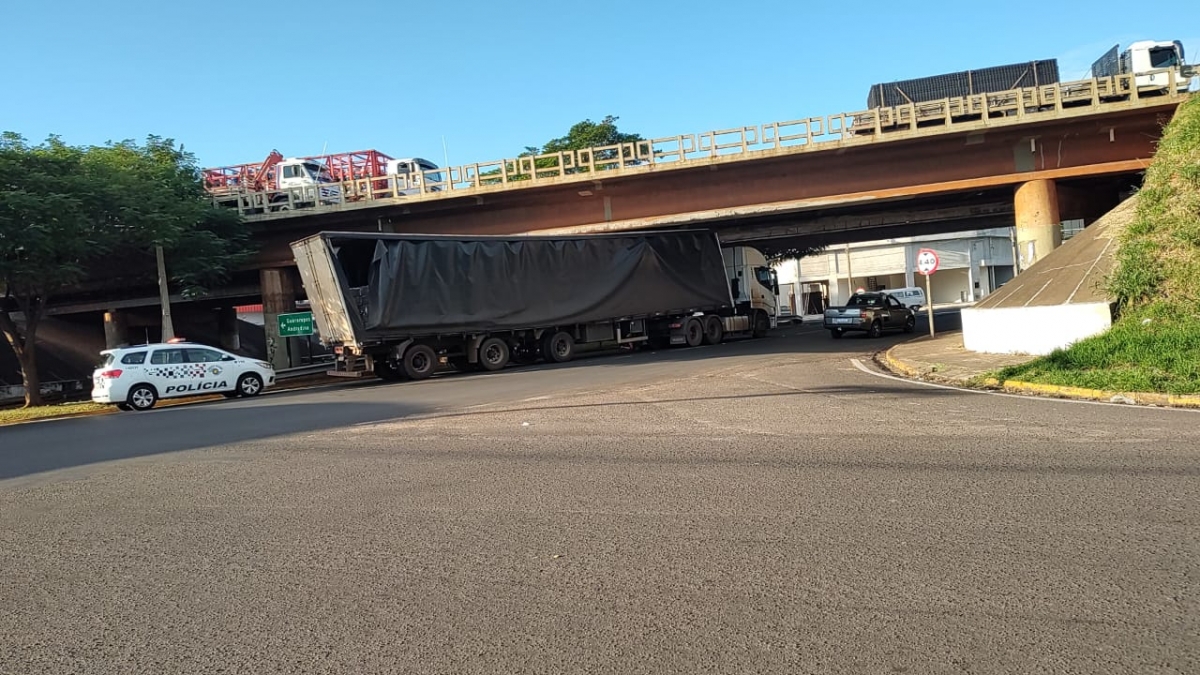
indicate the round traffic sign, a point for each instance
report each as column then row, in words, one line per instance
column 927, row 261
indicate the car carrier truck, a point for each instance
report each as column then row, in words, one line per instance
column 404, row 306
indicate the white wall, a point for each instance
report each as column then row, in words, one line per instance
column 1032, row 330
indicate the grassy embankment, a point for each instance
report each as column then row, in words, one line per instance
column 1155, row 344
column 14, row 415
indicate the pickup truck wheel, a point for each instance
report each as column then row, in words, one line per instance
column 910, row 324
column 876, row 329
column 714, row 330
column 836, row 333
column 419, row 362
column 559, row 347
column 493, row 354
column 762, row 324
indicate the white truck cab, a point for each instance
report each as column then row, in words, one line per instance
column 308, row 180
column 752, row 280
column 1151, row 62
column 406, row 175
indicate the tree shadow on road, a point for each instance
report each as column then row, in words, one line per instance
column 35, row 448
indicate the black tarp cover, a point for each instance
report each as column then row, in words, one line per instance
column 423, row 285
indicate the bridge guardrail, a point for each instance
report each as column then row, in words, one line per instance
column 865, row 126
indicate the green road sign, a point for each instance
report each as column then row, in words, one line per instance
column 295, row 325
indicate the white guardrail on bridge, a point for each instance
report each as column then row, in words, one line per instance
column 869, row 126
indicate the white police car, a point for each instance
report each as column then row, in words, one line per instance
column 135, row 378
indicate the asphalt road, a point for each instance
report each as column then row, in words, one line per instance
column 762, row 506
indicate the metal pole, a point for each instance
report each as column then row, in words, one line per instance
column 849, row 274
column 929, row 299
column 168, row 330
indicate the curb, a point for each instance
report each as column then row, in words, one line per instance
column 167, row 403
column 899, row 367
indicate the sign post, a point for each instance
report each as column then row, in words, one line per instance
column 927, row 264
column 297, row 324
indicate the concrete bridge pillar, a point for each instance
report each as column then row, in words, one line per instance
column 116, row 329
column 227, row 329
column 1039, row 227
column 279, row 297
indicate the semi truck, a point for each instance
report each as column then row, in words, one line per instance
column 1145, row 68
column 404, row 306
column 282, row 184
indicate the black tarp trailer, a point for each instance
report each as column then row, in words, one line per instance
column 410, row 303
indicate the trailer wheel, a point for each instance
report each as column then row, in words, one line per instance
column 419, row 362
column 714, row 330
column 493, row 354
column 693, row 332
column 559, row 347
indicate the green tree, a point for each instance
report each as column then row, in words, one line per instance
column 72, row 214
column 776, row 253
column 579, row 142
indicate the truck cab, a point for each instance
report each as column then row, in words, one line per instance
column 753, row 283
column 406, row 175
column 1151, row 62
column 308, row 181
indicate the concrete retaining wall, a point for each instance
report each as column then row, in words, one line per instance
column 1032, row 330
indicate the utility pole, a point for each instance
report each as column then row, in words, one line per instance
column 849, row 274
column 168, row 330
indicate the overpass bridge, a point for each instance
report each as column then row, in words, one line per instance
column 1029, row 157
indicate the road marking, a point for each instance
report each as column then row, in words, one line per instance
column 858, row 364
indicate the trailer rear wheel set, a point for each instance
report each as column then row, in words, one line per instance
column 420, row 360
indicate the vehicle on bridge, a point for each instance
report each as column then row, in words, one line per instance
column 275, row 184
column 871, row 313
column 278, row 184
column 136, row 378
column 405, row 305
column 1145, row 68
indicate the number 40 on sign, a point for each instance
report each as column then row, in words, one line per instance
column 927, row 264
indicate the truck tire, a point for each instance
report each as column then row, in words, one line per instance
column 693, row 332
column 493, row 354
column 876, row 329
column 762, row 323
column 559, row 347
column 714, row 330
column 387, row 371
column 419, row 362
column 910, row 324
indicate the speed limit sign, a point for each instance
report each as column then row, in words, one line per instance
column 927, row 261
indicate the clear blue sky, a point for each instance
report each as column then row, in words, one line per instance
column 233, row 80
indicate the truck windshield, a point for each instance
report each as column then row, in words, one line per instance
column 319, row 172
column 1164, row 57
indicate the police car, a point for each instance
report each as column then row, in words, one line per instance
column 136, row 378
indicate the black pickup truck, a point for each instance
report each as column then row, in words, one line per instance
column 871, row 313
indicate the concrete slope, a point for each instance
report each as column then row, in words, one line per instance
column 1074, row 273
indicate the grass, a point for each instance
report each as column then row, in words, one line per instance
column 15, row 415
column 1155, row 344
column 1150, row 350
